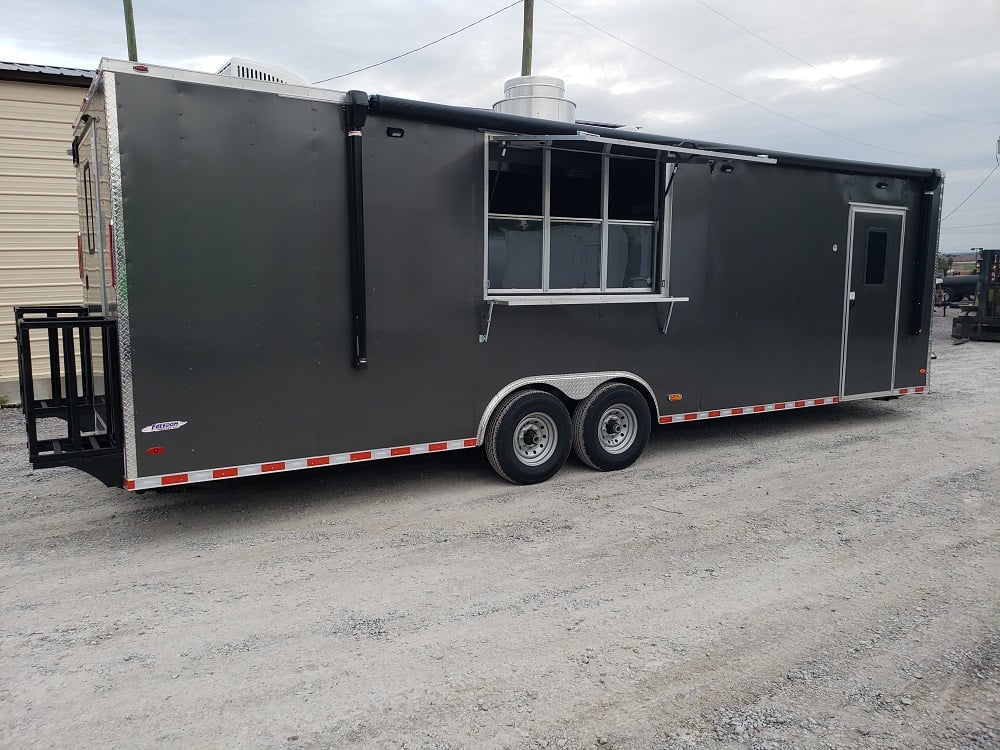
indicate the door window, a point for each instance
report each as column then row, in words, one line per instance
column 875, row 253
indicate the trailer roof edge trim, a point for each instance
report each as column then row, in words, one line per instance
column 291, row 90
column 591, row 138
column 487, row 119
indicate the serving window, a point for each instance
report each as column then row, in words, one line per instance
column 568, row 217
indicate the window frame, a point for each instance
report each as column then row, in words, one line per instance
column 546, row 294
column 673, row 155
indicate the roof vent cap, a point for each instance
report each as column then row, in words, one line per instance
column 536, row 96
column 256, row 71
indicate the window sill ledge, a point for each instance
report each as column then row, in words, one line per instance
column 579, row 299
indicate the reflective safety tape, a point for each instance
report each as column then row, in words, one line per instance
column 907, row 391
column 293, row 464
column 779, row 406
column 739, row 410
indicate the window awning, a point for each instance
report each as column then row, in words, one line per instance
column 623, row 147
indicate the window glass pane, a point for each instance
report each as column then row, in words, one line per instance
column 515, row 254
column 575, row 256
column 576, row 185
column 878, row 241
column 630, row 257
column 515, row 180
column 631, row 189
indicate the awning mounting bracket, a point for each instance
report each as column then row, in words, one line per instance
column 486, row 320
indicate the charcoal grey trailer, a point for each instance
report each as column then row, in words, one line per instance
column 278, row 277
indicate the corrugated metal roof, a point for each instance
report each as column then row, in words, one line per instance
column 46, row 69
column 44, row 74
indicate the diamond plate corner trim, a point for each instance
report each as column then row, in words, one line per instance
column 121, row 271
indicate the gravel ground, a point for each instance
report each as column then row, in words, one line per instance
column 823, row 578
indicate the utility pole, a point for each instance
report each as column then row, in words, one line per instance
column 529, row 22
column 130, row 31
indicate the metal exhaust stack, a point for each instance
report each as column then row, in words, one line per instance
column 536, row 96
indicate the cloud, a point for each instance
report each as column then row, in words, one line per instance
column 668, row 117
column 988, row 61
column 205, row 63
column 823, row 76
column 929, row 56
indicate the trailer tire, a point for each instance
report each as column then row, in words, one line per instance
column 611, row 427
column 529, row 437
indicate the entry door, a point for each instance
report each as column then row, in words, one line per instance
column 871, row 300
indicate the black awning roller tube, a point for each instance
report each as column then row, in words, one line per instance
column 355, row 113
column 470, row 117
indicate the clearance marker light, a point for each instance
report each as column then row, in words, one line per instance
column 675, row 397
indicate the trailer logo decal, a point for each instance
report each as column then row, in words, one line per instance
column 163, row 426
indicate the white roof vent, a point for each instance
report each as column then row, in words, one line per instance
column 256, row 71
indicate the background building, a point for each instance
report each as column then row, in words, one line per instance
column 38, row 206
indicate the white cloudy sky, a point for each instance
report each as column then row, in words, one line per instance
column 933, row 65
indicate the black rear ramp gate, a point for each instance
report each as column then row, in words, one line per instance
column 84, row 398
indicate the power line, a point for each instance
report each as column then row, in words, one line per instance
column 792, row 55
column 742, row 98
column 422, row 47
column 974, row 226
column 974, row 191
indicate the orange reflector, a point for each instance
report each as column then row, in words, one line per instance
column 675, row 397
column 923, row 370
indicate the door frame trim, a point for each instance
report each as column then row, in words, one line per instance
column 869, row 208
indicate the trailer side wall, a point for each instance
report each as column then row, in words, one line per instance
column 235, row 205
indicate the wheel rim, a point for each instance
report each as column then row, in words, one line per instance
column 535, row 439
column 618, row 428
